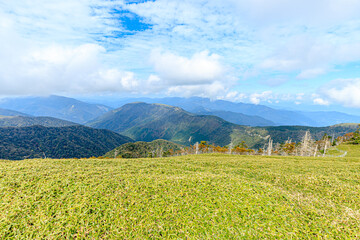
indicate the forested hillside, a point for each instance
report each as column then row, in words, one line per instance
column 148, row 122
column 57, row 142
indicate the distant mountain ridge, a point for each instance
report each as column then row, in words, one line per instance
column 277, row 116
column 238, row 118
column 7, row 112
column 24, row 121
column 57, row 142
column 56, row 106
column 239, row 113
column 148, row 122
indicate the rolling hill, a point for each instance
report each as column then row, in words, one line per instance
column 57, row 142
column 148, row 122
column 21, row 121
column 156, row 148
column 56, row 106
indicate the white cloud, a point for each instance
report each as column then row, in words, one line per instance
column 256, row 98
column 57, row 69
column 201, row 68
column 320, row 101
column 343, row 91
column 234, row 96
column 213, row 90
column 300, row 96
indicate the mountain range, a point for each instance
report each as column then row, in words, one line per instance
column 148, row 122
column 256, row 115
column 239, row 113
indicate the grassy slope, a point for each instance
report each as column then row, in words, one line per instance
column 203, row 196
column 352, row 150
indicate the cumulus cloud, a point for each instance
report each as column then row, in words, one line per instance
column 201, row 68
column 320, row 101
column 302, row 36
column 57, row 69
column 256, row 98
column 234, row 96
column 201, row 74
column 46, row 48
column 212, row 90
column 343, row 91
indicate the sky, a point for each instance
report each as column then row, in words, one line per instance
column 297, row 54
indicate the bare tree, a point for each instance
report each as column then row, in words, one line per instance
column 197, row 148
column 306, row 145
column 316, row 149
column 230, row 147
column 326, row 145
column 270, row 147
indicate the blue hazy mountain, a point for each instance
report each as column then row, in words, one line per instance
column 238, row 118
column 55, row 106
column 7, row 112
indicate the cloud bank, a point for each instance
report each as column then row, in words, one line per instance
column 257, row 51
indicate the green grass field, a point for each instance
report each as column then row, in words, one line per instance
column 189, row 197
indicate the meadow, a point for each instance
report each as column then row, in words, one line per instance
column 210, row 196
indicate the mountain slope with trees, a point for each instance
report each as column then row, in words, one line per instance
column 148, row 122
column 57, row 142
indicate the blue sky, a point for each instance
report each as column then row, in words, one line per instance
column 294, row 54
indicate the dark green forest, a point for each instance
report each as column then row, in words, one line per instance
column 57, row 142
